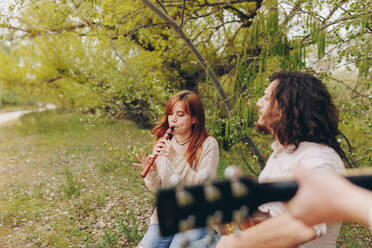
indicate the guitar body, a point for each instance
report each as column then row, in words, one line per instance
column 229, row 228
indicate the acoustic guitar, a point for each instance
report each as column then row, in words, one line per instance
column 223, row 201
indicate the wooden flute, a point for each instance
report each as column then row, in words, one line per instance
column 168, row 136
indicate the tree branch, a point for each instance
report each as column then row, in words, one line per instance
column 246, row 163
column 349, row 88
column 207, row 4
column 291, row 14
column 183, row 12
column 162, row 6
column 204, row 64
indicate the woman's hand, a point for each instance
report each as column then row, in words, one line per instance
column 164, row 148
column 145, row 160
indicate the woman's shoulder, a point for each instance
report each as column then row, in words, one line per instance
column 210, row 141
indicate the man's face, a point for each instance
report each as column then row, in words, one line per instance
column 264, row 105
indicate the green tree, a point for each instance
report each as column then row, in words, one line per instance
column 120, row 58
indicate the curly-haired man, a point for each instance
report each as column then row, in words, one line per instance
column 297, row 110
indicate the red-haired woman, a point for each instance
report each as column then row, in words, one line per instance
column 191, row 153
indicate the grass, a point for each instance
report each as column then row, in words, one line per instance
column 68, row 181
column 65, row 182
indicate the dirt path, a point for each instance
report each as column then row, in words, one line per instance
column 12, row 115
column 4, row 117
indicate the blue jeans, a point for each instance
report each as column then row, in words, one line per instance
column 206, row 242
column 152, row 238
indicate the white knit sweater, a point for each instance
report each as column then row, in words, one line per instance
column 160, row 177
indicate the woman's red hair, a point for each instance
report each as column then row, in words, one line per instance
column 192, row 106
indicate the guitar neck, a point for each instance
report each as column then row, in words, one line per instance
column 275, row 191
column 284, row 191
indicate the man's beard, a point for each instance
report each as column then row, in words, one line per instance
column 262, row 128
column 269, row 123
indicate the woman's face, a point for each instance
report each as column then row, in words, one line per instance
column 181, row 120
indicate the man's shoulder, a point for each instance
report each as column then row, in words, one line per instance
column 312, row 147
column 315, row 155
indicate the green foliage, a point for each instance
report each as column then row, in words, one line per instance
column 108, row 240
column 108, row 166
column 127, row 227
column 355, row 116
column 47, row 122
column 72, row 187
column 117, row 58
column 353, row 235
column 9, row 98
column 131, row 230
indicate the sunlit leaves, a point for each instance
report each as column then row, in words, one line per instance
column 118, row 53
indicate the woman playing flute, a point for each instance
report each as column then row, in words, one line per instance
column 191, row 154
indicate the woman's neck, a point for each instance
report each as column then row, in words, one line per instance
column 183, row 139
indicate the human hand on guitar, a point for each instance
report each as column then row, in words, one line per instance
column 228, row 241
column 338, row 201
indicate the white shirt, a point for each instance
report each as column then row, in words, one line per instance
column 208, row 162
column 308, row 155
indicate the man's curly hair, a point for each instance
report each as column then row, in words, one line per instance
column 307, row 112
